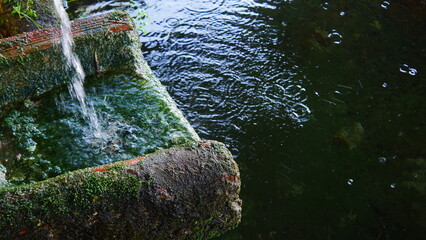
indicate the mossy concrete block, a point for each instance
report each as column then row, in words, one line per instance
column 33, row 63
column 186, row 192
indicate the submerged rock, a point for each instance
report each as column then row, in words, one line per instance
column 350, row 136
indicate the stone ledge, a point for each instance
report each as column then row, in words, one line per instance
column 32, row 63
column 186, row 192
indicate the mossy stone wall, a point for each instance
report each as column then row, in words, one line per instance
column 33, row 63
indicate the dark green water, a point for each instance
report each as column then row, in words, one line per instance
column 322, row 103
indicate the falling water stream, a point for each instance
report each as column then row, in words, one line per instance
column 76, row 87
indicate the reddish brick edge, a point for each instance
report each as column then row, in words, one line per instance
column 45, row 38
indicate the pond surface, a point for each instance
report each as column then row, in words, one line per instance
column 322, row 103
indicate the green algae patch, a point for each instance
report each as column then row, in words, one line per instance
column 70, row 196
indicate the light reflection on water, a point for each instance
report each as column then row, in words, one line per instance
column 321, row 102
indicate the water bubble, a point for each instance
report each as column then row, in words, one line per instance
column 385, row 4
column 335, row 37
column 385, row 85
column 350, row 181
column 325, row 6
column 342, row 13
column 405, row 68
column 412, row 71
column 383, row 160
column 393, row 185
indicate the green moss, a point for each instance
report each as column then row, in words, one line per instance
column 23, row 128
column 68, row 196
column 119, row 15
column 203, row 228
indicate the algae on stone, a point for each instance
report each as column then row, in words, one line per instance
column 144, row 198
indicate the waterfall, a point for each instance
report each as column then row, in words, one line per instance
column 76, row 88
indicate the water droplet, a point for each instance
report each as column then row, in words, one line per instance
column 157, row 58
column 385, row 85
column 412, row 71
column 172, row 21
column 405, row 68
column 383, row 160
column 350, row 181
column 335, row 37
column 342, row 13
column 393, row 185
column 325, row 6
column 385, row 4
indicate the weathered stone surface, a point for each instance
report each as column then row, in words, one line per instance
column 186, row 192
column 32, row 63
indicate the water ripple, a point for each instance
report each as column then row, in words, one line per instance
column 214, row 58
column 203, row 6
